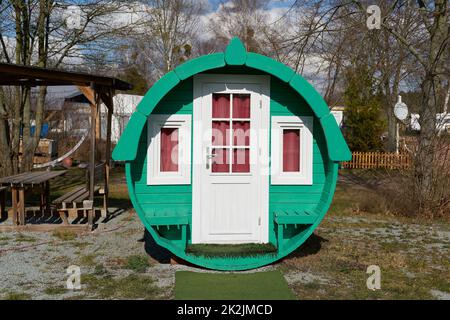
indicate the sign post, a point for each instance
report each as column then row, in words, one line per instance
column 401, row 113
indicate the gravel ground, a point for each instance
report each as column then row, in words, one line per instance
column 33, row 265
column 31, row 262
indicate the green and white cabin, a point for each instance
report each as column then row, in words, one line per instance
column 231, row 148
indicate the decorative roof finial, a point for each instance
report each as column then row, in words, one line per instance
column 235, row 53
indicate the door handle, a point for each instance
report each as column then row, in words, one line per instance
column 209, row 157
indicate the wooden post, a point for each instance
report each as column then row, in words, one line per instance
column 42, row 198
column 98, row 131
column 14, row 205
column 3, row 214
column 92, row 156
column 47, row 196
column 110, row 106
column 22, row 206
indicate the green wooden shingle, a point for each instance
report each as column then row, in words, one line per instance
column 200, row 64
column 312, row 97
column 272, row 67
column 337, row 147
column 157, row 92
column 127, row 151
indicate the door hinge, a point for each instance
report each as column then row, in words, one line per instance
column 259, row 221
column 260, row 104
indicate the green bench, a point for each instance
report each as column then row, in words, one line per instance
column 283, row 218
column 166, row 219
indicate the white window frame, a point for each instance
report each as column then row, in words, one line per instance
column 155, row 123
column 305, row 125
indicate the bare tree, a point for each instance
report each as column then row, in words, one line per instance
column 37, row 32
column 246, row 19
column 413, row 45
column 164, row 34
column 430, row 55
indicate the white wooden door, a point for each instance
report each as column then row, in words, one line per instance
column 230, row 187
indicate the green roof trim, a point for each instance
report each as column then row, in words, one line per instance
column 235, row 53
column 336, row 145
column 311, row 96
column 272, row 67
column 157, row 92
column 126, row 149
column 200, row 64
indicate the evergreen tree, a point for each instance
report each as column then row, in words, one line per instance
column 139, row 83
column 362, row 114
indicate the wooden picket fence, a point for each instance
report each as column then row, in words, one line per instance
column 376, row 160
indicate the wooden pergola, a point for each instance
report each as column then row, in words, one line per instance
column 96, row 89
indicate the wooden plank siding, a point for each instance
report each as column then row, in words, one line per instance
column 165, row 199
column 284, row 101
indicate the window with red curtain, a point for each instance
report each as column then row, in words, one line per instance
column 221, row 162
column 221, row 132
column 227, row 148
column 241, row 106
column 291, row 150
column 221, row 105
column 241, row 133
column 241, row 160
column 169, row 150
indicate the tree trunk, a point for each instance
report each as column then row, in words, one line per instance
column 26, row 130
column 30, row 143
column 5, row 141
column 425, row 158
column 389, row 110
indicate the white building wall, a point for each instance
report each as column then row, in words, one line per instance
column 124, row 106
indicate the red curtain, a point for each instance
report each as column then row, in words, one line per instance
column 241, row 160
column 220, row 133
column 169, row 149
column 221, row 105
column 291, row 150
column 241, row 133
column 221, row 162
column 241, row 106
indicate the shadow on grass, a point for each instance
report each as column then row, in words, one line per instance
column 309, row 247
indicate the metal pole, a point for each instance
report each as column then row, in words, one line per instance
column 397, row 138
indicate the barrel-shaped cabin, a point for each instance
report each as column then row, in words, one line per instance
column 231, row 148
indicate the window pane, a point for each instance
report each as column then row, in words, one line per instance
column 241, row 106
column 241, row 160
column 220, row 133
column 169, row 149
column 221, row 105
column 291, row 150
column 241, row 133
column 221, row 160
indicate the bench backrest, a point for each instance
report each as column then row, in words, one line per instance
column 99, row 175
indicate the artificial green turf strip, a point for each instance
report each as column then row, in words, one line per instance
column 231, row 250
column 269, row 285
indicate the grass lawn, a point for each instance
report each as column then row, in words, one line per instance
column 269, row 285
